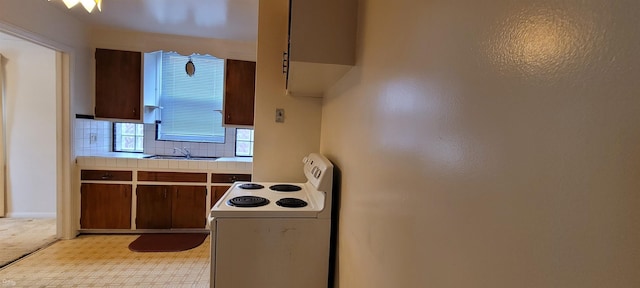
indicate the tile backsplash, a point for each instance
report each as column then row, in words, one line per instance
column 94, row 137
column 152, row 146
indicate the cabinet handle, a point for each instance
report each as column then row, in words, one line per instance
column 106, row 176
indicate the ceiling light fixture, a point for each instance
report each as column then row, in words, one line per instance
column 87, row 4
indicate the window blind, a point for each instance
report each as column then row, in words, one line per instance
column 191, row 105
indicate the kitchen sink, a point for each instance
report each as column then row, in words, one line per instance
column 174, row 157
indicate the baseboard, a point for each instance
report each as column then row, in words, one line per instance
column 30, row 215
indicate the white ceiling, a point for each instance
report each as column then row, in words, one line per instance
column 221, row 19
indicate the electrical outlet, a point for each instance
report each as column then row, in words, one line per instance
column 93, row 138
column 279, row 115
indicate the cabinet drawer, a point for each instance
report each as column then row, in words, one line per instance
column 229, row 178
column 106, row 175
column 172, row 177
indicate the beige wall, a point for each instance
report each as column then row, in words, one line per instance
column 50, row 27
column 30, row 101
column 280, row 147
column 489, row 144
column 149, row 42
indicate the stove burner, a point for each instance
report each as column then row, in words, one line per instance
column 291, row 202
column 285, row 188
column 248, row 201
column 251, row 186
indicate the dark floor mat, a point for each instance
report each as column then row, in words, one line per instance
column 168, row 242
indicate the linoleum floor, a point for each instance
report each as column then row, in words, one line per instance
column 106, row 261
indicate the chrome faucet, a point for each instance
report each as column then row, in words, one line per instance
column 184, row 151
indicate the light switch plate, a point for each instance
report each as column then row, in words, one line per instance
column 279, row 115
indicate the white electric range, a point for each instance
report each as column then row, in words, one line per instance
column 274, row 234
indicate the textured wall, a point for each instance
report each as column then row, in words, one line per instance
column 280, row 147
column 491, row 144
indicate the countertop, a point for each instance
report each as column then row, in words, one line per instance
column 138, row 161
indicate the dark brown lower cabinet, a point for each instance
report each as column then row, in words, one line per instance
column 153, row 208
column 105, row 206
column 217, row 192
column 171, row 206
column 188, row 207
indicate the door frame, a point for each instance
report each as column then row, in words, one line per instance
column 65, row 55
column 2, row 141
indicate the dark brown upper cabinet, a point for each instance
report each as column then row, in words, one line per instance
column 239, row 92
column 118, row 84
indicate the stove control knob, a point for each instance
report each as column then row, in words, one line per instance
column 315, row 171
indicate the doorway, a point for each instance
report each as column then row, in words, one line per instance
column 30, row 142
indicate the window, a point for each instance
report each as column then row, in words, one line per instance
column 244, row 142
column 191, row 104
column 128, row 137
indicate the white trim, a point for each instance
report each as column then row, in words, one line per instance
column 32, row 37
column 2, row 143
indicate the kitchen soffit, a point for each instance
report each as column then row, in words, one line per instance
column 221, row 19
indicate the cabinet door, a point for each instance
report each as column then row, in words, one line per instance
column 118, row 84
column 239, row 95
column 189, row 206
column 217, row 192
column 105, row 206
column 153, row 207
